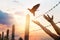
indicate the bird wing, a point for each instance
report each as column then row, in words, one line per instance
column 35, row 7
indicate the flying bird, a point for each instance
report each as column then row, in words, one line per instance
column 34, row 9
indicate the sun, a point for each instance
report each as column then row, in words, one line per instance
column 20, row 21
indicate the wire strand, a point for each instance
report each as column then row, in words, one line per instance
column 49, row 10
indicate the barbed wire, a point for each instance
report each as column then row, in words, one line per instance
column 40, row 28
column 45, row 26
column 49, row 9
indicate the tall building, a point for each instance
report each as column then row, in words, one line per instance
column 20, row 38
column 2, row 35
column 13, row 32
column 7, row 35
column 27, row 27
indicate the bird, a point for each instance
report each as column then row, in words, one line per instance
column 34, row 8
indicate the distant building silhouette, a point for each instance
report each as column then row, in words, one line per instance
column 20, row 38
column 27, row 27
column 2, row 36
column 6, row 37
column 13, row 32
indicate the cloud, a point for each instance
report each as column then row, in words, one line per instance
column 5, row 18
column 20, row 13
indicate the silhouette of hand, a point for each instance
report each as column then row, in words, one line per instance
column 36, row 22
column 48, row 18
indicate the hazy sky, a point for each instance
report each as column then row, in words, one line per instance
column 18, row 9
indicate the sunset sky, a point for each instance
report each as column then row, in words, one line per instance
column 14, row 12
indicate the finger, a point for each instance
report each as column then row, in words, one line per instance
column 45, row 17
column 52, row 17
column 36, row 22
column 48, row 16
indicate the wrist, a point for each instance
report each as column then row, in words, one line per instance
column 51, row 22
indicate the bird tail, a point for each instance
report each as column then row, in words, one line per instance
column 31, row 11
